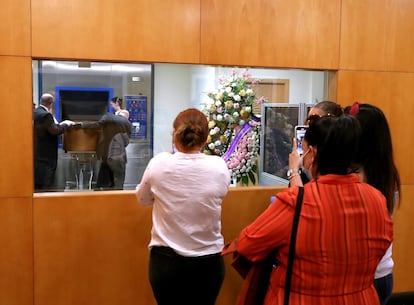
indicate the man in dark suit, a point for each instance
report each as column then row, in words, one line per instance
column 111, row 150
column 45, row 134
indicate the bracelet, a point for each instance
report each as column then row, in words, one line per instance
column 292, row 171
column 293, row 175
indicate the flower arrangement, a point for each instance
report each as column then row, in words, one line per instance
column 234, row 128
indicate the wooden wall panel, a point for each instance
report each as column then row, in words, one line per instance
column 393, row 93
column 403, row 250
column 16, row 176
column 16, row 251
column 143, row 30
column 272, row 33
column 377, row 35
column 15, row 27
column 92, row 248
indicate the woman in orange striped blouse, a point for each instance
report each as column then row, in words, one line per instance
column 344, row 227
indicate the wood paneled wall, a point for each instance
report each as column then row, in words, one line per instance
column 271, row 33
column 16, row 150
column 122, row 30
column 15, row 28
column 375, row 35
column 16, row 251
column 79, row 248
column 92, row 248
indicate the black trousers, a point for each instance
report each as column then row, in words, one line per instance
column 176, row 279
column 105, row 178
column 384, row 287
column 44, row 174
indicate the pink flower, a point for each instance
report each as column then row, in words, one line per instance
column 246, row 74
column 260, row 100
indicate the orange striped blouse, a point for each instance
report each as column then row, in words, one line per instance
column 343, row 232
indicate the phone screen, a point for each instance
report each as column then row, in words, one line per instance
column 299, row 135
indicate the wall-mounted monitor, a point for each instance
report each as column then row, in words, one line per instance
column 82, row 103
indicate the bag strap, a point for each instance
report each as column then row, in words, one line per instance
column 292, row 246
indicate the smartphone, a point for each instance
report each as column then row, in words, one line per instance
column 300, row 131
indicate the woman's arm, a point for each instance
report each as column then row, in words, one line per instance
column 270, row 230
column 143, row 190
column 294, row 166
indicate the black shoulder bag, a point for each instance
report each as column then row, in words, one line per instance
column 292, row 245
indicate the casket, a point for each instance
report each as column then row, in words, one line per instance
column 81, row 139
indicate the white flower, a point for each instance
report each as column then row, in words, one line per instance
column 228, row 109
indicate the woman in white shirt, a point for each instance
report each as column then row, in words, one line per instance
column 186, row 189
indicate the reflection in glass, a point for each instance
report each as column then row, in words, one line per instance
column 278, row 123
column 83, row 94
column 155, row 94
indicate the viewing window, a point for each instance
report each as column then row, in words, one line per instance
column 153, row 94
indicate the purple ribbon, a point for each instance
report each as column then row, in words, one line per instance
column 240, row 134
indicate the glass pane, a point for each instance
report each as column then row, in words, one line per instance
column 153, row 94
column 82, row 93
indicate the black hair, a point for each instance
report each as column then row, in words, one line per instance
column 336, row 140
column 117, row 100
column 375, row 153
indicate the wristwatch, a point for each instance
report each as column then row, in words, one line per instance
column 292, row 171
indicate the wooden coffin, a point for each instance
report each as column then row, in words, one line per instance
column 81, row 139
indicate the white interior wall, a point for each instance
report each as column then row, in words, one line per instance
column 172, row 94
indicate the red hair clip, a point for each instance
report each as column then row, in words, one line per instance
column 354, row 109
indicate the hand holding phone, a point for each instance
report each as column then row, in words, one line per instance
column 300, row 131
